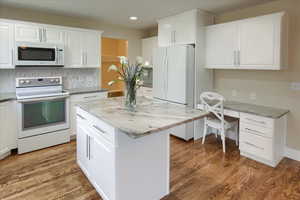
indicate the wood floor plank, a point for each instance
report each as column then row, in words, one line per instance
column 197, row 172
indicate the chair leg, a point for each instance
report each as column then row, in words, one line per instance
column 216, row 133
column 204, row 133
column 223, row 139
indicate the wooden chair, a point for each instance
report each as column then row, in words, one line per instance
column 213, row 103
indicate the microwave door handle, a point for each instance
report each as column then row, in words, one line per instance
column 56, row 55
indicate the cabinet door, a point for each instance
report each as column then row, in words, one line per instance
column 222, row 46
column 159, row 73
column 73, row 49
column 103, row 166
column 259, row 42
column 91, row 44
column 8, row 130
column 185, row 28
column 82, row 147
column 176, row 74
column 53, row 35
column 6, row 47
column 166, row 32
column 28, row 33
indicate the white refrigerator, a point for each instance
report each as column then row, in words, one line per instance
column 173, row 80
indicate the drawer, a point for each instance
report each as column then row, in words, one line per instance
column 96, row 125
column 257, row 130
column 257, row 120
column 88, row 96
column 230, row 113
column 256, row 145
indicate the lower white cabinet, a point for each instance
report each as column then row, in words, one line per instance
column 121, row 167
column 262, row 138
column 8, row 128
column 80, row 98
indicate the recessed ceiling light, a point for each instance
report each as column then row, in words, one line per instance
column 133, row 18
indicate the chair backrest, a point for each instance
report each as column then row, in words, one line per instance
column 213, row 103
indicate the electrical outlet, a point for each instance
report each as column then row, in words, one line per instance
column 295, row 86
column 253, row 96
column 234, row 93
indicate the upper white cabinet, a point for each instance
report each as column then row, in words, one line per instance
column 254, row 43
column 222, row 45
column 6, row 45
column 178, row 29
column 53, row 35
column 148, row 44
column 82, row 49
column 38, row 33
column 28, row 33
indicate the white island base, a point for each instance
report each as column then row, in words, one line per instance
column 120, row 167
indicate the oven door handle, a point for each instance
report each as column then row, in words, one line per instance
column 43, row 98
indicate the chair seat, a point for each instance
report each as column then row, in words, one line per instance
column 215, row 122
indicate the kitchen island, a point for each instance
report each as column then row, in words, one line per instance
column 125, row 154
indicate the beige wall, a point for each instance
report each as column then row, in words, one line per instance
column 133, row 36
column 271, row 87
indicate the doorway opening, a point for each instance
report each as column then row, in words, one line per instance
column 111, row 50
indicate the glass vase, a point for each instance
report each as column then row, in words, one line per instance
column 130, row 95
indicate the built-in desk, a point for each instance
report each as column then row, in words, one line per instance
column 262, row 130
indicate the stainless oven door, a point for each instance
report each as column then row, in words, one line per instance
column 43, row 115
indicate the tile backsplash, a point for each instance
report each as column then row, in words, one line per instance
column 72, row 78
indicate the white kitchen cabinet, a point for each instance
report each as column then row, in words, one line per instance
column 28, row 33
column 178, row 29
column 81, row 98
column 221, row 45
column 6, row 45
column 106, row 158
column 53, row 35
column 148, row 44
column 8, row 128
column 254, row 43
column 91, row 49
column 262, row 138
column 82, row 49
column 73, row 49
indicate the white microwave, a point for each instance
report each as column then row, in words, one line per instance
column 39, row 55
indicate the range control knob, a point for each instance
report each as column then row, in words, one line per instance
column 27, row 81
column 22, row 81
column 51, row 80
column 57, row 80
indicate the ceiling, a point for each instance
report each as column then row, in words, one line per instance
column 118, row 11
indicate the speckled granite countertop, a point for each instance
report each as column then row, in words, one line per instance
column 150, row 116
column 264, row 111
column 85, row 90
column 259, row 110
column 7, row 96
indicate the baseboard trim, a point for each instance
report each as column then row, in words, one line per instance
column 4, row 153
column 292, row 153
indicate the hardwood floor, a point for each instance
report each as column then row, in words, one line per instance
column 197, row 172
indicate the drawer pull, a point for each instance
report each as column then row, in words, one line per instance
column 254, row 131
column 99, row 129
column 253, row 145
column 81, row 117
column 256, row 121
column 90, row 97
